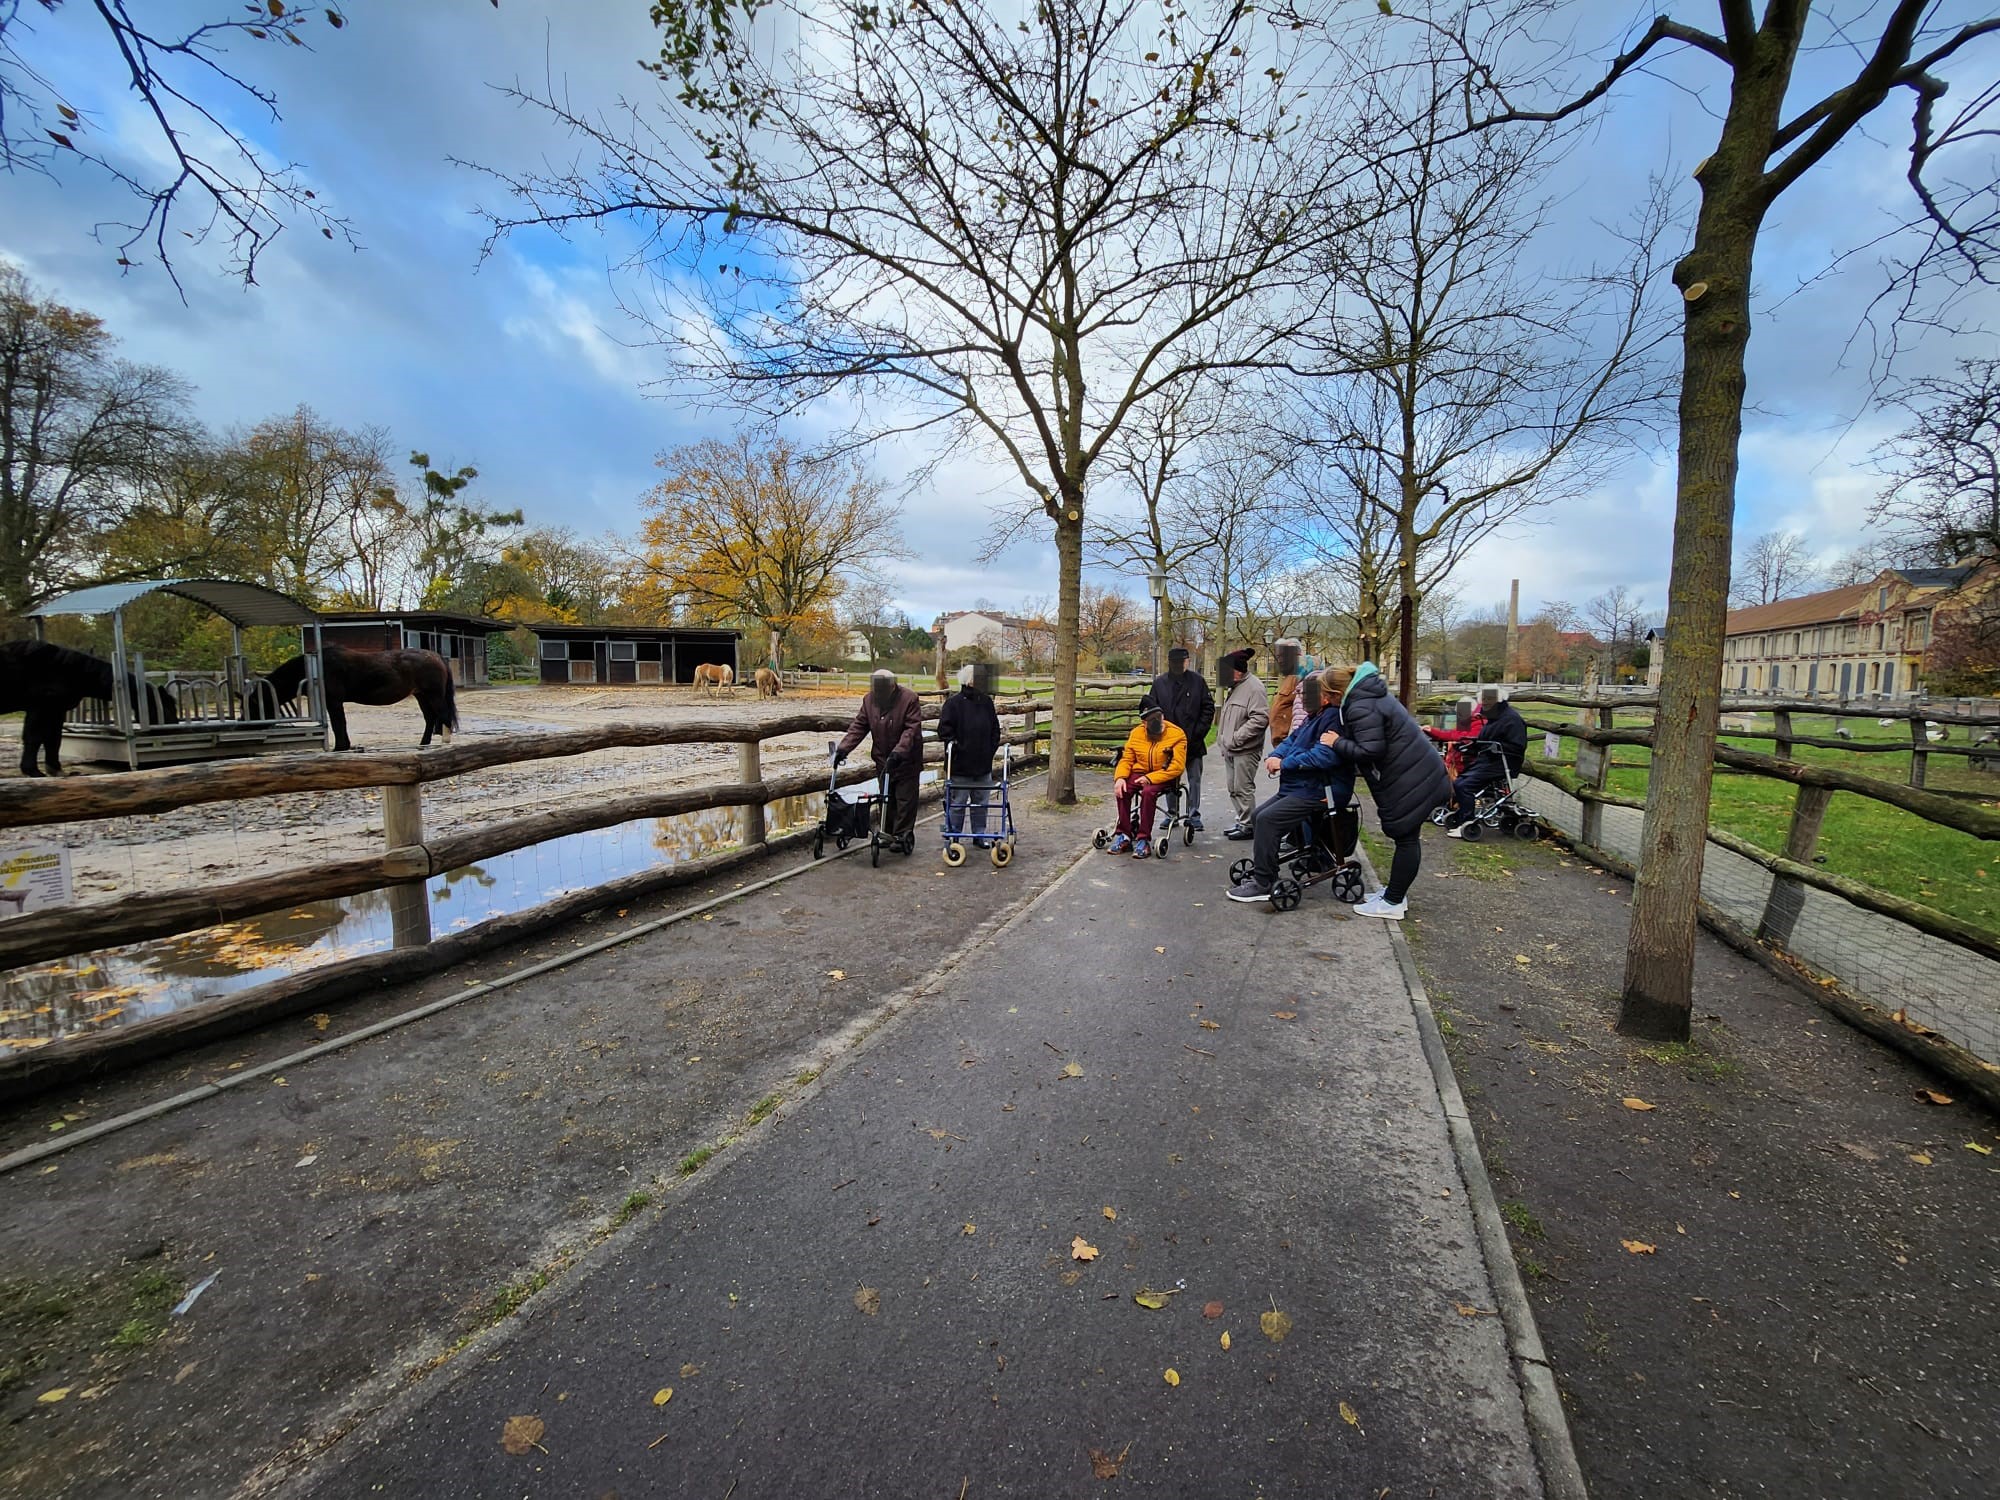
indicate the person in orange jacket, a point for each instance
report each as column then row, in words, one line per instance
column 1153, row 759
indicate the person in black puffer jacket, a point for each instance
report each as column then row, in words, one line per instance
column 1404, row 772
column 1502, row 740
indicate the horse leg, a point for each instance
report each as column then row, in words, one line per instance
column 428, row 703
column 336, row 715
column 31, row 741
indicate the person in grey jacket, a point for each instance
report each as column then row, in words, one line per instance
column 1239, row 735
column 1404, row 773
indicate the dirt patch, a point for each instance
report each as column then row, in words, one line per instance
column 1777, row 1279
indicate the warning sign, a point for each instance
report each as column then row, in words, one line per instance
column 33, row 876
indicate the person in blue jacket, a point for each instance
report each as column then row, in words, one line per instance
column 1306, row 763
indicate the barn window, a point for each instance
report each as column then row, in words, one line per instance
column 624, row 651
column 555, row 650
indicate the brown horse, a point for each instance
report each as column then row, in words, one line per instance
column 768, row 683
column 378, row 678
column 711, row 678
column 43, row 682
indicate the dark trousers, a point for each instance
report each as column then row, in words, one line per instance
column 1135, row 808
column 1486, row 771
column 900, row 817
column 961, row 799
column 1276, row 818
column 1403, row 867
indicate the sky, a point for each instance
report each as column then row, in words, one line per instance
column 522, row 363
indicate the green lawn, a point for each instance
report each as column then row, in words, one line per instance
column 1893, row 850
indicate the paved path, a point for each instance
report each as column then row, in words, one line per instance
column 879, row 1296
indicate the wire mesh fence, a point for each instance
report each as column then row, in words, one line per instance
column 1937, row 984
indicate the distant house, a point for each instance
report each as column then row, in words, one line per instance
column 999, row 635
column 858, row 647
column 459, row 639
column 663, row 654
column 1656, row 646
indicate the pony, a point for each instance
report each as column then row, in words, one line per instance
column 378, row 678
column 768, row 683
column 43, row 682
column 712, row 678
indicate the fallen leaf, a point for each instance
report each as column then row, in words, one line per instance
column 1284, row 1015
column 1159, row 950
column 1637, row 1104
column 1982, row 1150
column 49, row 1398
column 1467, row 1310
column 1225, row 1338
column 1275, row 1325
column 522, row 1433
column 1173, row 1376
column 1921, row 1158
column 1211, row 1310
column 1351, row 1418
column 1110, row 1212
column 321, row 1022
column 688, row 1372
column 868, row 1301
column 1103, row 1465
column 1211, row 1025
column 1082, row 1249
column 1150, row 1299
column 1638, row 1247
column 1071, row 1070
column 836, row 973
column 1863, row 1152
column 662, row 1396
column 1932, row 1096
column 1520, row 958
column 968, row 1229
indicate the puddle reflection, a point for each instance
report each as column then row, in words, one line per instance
column 92, row 992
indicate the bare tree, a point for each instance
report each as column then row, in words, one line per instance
column 1615, row 617
column 1777, row 565
column 1766, row 143
column 1944, row 496
column 1484, row 388
column 1013, row 225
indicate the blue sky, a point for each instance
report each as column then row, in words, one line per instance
column 524, row 365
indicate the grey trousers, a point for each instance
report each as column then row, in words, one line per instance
column 1242, row 773
column 1191, row 779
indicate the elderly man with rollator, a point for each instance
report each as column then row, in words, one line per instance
column 892, row 721
column 1190, row 707
column 1502, row 739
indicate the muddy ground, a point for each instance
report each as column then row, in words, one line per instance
column 365, row 1214
column 1814, row 1314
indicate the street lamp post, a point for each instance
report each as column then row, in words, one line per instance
column 1156, row 585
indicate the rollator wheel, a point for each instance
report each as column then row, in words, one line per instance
column 1187, row 833
column 1001, row 854
column 1100, row 839
column 1471, row 828
column 1240, row 871
column 1286, row 895
column 819, row 845
column 1161, row 845
column 1441, row 816
column 841, row 841
column 875, row 849
column 954, row 854
column 1347, row 885
column 1527, row 830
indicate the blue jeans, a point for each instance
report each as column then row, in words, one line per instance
column 956, row 801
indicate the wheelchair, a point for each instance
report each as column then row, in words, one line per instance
column 1321, row 852
column 1169, row 813
column 1496, row 807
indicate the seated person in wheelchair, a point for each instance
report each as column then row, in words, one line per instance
column 1149, row 766
column 1493, row 756
column 1307, row 766
column 970, row 725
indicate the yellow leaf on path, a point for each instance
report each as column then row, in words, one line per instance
column 1284, row 1015
column 1351, row 1418
column 868, row 1301
column 1932, row 1096
column 1150, row 1299
column 836, row 973
column 1638, row 1247
column 662, row 1396
column 968, row 1229
column 1159, row 950
column 1082, row 1249
column 1982, row 1150
column 1211, row 1026
column 522, row 1433
column 1110, row 1212
column 321, row 1022
column 1921, row 1158
column 1071, row 1070
column 1468, row 1310
column 688, row 1372
column 1173, row 1376
column 1225, row 1338
column 1637, row 1104
column 1275, row 1325
column 1520, row 958
column 50, row 1397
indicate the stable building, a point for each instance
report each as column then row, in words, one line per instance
column 459, row 639
column 662, row 654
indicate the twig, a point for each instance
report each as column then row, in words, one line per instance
column 730, row 1491
column 839, row 1185
column 964, row 1487
column 1200, row 1050
column 656, row 1442
column 1054, row 1048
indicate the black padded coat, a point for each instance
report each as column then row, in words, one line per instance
column 1404, row 772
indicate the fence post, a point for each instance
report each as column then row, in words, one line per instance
column 1919, row 742
column 1593, row 768
column 409, row 903
column 1787, row 898
column 1034, row 744
column 1781, row 728
column 750, row 768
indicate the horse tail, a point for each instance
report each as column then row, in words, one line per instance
column 450, row 700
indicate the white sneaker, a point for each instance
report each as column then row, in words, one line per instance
column 1375, row 906
column 1456, row 831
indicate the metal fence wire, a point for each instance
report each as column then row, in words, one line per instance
column 1935, row 983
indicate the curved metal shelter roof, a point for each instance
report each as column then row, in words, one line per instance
column 238, row 603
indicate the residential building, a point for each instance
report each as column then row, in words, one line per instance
column 1864, row 640
column 999, row 635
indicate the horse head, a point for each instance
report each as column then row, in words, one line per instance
column 285, row 681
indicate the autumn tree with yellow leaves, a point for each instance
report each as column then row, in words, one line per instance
column 756, row 530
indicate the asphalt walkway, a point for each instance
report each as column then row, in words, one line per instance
column 921, row 1278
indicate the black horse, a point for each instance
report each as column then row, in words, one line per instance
column 375, row 677
column 44, row 682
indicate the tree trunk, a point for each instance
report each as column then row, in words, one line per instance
column 777, row 650
column 1062, row 718
column 1714, row 279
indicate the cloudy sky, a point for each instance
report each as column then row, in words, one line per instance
column 523, row 364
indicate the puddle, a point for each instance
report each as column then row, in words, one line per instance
column 96, row 991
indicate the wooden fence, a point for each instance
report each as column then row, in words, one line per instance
column 1793, row 870
column 411, row 855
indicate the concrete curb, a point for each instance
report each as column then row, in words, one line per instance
column 1548, row 1424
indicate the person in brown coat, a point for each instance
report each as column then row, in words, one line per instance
column 892, row 720
column 1287, row 713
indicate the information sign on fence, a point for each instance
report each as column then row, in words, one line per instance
column 33, row 876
